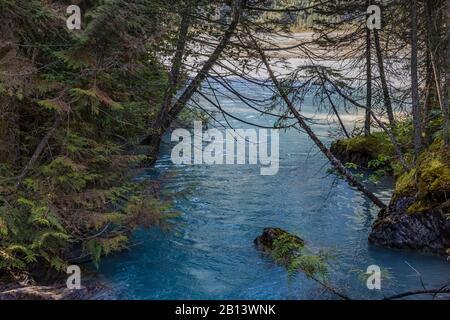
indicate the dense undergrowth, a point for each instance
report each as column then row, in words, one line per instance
column 73, row 104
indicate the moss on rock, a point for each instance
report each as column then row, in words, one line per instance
column 290, row 251
column 428, row 182
column 362, row 149
column 406, row 184
column 267, row 240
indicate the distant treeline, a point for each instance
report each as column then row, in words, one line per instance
column 297, row 20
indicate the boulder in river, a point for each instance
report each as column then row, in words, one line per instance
column 289, row 250
column 266, row 240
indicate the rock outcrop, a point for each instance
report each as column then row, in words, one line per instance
column 359, row 150
column 361, row 158
column 427, row 232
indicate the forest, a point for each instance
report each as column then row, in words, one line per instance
column 358, row 89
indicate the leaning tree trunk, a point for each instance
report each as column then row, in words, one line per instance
column 334, row 161
column 335, row 110
column 384, row 85
column 154, row 140
column 172, row 113
column 415, row 82
column 203, row 73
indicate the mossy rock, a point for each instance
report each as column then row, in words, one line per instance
column 417, row 217
column 289, row 250
column 434, row 176
column 361, row 150
column 428, row 182
column 406, row 184
column 427, row 232
column 268, row 238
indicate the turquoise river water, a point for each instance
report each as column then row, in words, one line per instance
column 209, row 252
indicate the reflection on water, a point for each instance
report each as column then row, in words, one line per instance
column 210, row 252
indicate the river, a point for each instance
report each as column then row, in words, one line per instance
column 209, row 252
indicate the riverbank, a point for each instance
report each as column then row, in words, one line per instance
column 90, row 289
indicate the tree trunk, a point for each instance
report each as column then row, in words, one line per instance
column 391, row 136
column 154, row 140
column 384, row 85
column 203, row 73
column 415, row 83
column 333, row 106
column 439, row 63
column 427, row 107
column 334, row 161
column 368, row 83
column 431, row 33
column 445, row 111
column 154, row 143
column 172, row 113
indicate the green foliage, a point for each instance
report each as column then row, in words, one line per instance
column 285, row 246
column 381, row 167
column 363, row 275
column 312, row 265
column 290, row 251
column 106, row 85
column 375, row 146
column 428, row 181
column 104, row 246
column 295, row 21
column 379, row 149
column 351, row 165
column 380, row 162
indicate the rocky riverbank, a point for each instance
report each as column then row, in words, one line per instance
column 417, row 217
column 359, row 150
column 427, row 232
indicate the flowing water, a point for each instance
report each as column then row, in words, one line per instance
column 209, row 253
